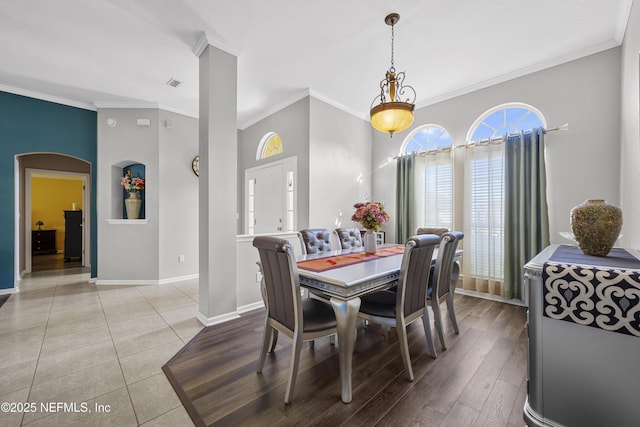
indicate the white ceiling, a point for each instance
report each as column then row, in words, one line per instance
column 104, row 53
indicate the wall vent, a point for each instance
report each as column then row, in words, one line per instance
column 173, row 82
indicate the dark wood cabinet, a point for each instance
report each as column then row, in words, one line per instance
column 43, row 242
column 72, row 234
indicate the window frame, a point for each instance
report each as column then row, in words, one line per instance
column 505, row 106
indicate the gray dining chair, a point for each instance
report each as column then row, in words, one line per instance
column 315, row 240
column 432, row 230
column 301, row 319
column 349, row 237
column 408, row 304
column 443, row 283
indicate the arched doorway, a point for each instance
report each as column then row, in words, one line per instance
column 68, row 220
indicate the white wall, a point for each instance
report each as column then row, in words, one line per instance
column 148, row 253
column 248, row 294
column 630, row 132
column 339, row 167
column 582, row 163
column 127, row 252
column 178, row 198
column 292, row 124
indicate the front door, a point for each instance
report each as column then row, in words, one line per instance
column 266, row 213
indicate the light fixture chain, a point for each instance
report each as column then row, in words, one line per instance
column 392, row 38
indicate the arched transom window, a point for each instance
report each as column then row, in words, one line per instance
column 433, row 174
column 426, row 138
column 504, row 119
column 270, row 145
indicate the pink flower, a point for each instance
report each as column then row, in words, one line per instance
column 130, row 183
column 371, row 215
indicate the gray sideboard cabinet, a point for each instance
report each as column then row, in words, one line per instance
column 582, row 374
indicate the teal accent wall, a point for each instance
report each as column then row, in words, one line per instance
column 29, row 125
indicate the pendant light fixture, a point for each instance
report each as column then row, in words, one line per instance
column 394, row 113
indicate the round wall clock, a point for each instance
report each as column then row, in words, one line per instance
column 195, row 165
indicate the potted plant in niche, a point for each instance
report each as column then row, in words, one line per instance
column 132, row 185
column 371, row 215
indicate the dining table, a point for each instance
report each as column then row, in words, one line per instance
column 343, row 276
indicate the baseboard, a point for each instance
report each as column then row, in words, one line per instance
column 126, row 282
column 178, row 279
column 250, row 307
column 146, row 282
column 209, row 321
column 484, row 295
column 8, row 291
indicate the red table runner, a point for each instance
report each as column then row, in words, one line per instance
column 323, row 264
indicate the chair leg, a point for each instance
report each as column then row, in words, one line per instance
column 296, row 346
column 437, row 319
column 452, row 314
column 427, row 332
column 268, row 333
column 274, row 340
column 404, row 350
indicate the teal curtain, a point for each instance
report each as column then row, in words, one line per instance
column 526, row 214
column 405, row 199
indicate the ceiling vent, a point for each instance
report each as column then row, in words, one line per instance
column 173, row 82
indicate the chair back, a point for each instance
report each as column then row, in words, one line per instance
column 281, row 280
column 315, row 240
column 414, row 273
column 349, row 237
column 445, row 263
column 432, row 230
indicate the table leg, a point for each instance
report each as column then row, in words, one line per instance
column 346, row 315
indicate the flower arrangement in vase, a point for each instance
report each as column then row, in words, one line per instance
column 130, row 183
column 133, row 203
column 371, row 215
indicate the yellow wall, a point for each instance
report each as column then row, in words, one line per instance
column 49, row 199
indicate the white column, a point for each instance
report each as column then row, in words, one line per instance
column 217, row 185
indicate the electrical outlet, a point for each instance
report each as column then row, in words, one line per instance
column 258, row 276
column 180, row 258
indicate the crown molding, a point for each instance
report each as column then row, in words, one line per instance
column 623, row 20
column 295, row 98
column 143, row 105
column 46, row 97
column 274, row 109
column 558, row 60
column 339, row 106
column 126, row 104
column 206, row 39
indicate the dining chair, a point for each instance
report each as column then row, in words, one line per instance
column 432, row 230
column 442, row 283
column 398, row 309
column 349, row 237
column 315, row 240
column 301, row 319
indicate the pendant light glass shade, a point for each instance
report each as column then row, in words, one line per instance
column 391, row 117
column 394, row 113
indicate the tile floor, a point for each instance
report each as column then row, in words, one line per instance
column 63, row 340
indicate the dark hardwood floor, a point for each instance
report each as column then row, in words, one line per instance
column 53, row 262
column 478, row 381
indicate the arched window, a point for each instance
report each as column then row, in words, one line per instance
column 426, row 138
column 503, row 119
column 484, row 189
column 433, row 175
column 270, row 145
